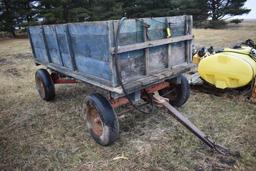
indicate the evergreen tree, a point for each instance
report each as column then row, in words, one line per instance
column 218, row 9
column 7, row 18
column 156, row 8
column 197, row 8
column 63, row 11
column 106, row 9
column 15, row 13
column 150, row 8
column 19, row 13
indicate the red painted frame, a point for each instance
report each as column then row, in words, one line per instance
column 62, row 79
column 150, row 90
column 59, row 79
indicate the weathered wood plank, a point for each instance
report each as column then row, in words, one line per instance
column 152, row 43
column 31, row 43
column 156, row 78
column 169, row 51
column 191, row 41
column 71, row 50
column 188, row 31
column 46, row 45
column 58, row 44
column 112, row 61
column 146, row 51
column 87, row 79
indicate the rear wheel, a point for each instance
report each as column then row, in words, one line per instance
column 44, row 85
column 101, row 119
column 177, row 94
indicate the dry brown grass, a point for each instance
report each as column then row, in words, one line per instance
column 37, row 135
column 227, row 37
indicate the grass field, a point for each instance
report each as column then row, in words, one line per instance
column 38, row 135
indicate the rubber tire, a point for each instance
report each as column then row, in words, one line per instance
column 108, row 117
column 182, row 92
column 48, row 85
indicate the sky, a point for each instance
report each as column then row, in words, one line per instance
column 250, row 4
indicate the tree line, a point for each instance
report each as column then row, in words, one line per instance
column 17, row 14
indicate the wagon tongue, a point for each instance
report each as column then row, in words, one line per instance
column 190, row 126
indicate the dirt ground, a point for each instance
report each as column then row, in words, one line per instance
column 39, row 135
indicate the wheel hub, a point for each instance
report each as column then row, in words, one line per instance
column 40, row 87
column 94, row 120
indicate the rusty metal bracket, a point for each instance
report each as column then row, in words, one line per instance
column 189, row 125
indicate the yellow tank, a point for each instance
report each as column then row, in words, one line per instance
column 231, row 68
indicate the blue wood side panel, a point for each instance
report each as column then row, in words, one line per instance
column 131, row 65
column 90, row 43
column 178, row 53
column 111, row 37
column 52, row 43
column 158, row 58
column 94, row 67
column 63, row 45
column 157, row 29
column 132, row 32
column 178, row 26
column 36, row 35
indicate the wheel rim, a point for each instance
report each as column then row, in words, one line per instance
column 40, row 87
column 94, row 120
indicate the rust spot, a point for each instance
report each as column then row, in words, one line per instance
column 60, row 79
column 119, row 102
column 94, row 119
column 157, row 87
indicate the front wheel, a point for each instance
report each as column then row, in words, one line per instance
column 44, row 85
column 101, row 119
column 177, row 94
